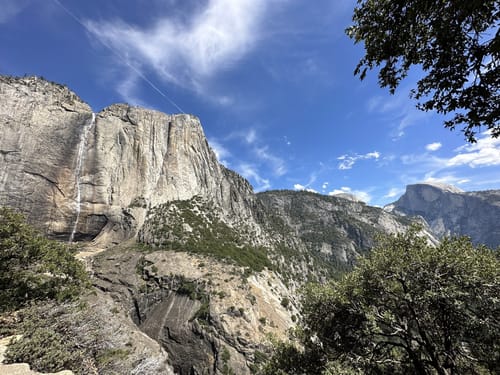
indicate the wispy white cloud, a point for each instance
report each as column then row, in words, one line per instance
column 10, row 9
column 348, row 161
column 409, row 116
column 277, row 164
column 371, row 155
column 259, row 150
column 426, row 161
column 400, row 111
column 307, row 186
column 485, row 152
column 220, row 151
column 250, row 172
column 393, row 192
column 469, row 165
column 301, row 67
column 223, row 100
column 446, row 179
column 427, row 168
column 433, row 146
column 188, row 53
column 245, row 151
column 250, row 136
column 380, row 104
column 127, row 90
column 358, row 194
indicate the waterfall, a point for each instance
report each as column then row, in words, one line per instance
column 79, row 163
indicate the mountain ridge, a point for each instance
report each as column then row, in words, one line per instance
column 453, row 212
column 132, row 157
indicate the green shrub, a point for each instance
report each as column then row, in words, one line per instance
column 203, row 313
column 260, row 357
column 33, row 268
column 225, row 355
column 107, row 356
column 406, row 308
column 208, row 236
column 285, row 302
column 53, row 357
column 52, row 339
column 65, row 336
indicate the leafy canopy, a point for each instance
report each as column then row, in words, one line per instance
column 33, row 268
column 457, row 45
column 407, row 308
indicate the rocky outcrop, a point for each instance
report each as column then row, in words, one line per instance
column 85, row 176
column 20, row 368
column 41, row 125
column 335, row 230
column 450, row 211
column 212, row 317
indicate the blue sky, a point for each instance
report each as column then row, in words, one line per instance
column 271, row 81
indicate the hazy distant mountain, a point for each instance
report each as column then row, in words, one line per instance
column 450, row 211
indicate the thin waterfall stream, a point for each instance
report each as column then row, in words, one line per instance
column 78, row 169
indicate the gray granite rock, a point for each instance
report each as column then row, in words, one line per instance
column 84, row 176
column 450, row 211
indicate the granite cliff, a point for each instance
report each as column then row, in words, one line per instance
column 450, row 211
column 79, row 175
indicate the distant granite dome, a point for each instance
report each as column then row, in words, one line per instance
column 451, row 211
column 443, row 186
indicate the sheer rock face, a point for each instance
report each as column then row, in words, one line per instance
column 69, row 170
column 450, row 211
column 40, row 125
column 206, row 314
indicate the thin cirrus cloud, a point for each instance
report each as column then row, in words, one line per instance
column 188, row 54
column 11, row 8
column 126, row 89
column 400, row 112
column 458, row 168
column 446, row 179
column 277, row 164
column 485, row 152
column 259, row 151
column 221, row 152
column 251, row 172
column 253, row 159
column 348, row 161
column 306, row 187
column 394, row 192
